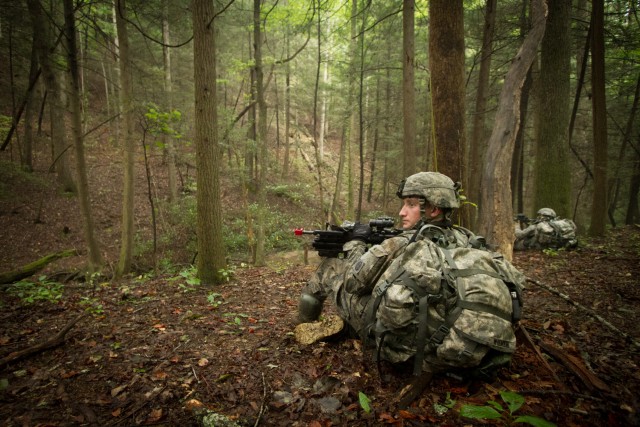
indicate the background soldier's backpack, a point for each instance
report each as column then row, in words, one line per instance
column 446, row 307
column 557, row 233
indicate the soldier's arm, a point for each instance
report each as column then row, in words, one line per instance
column 363, row 271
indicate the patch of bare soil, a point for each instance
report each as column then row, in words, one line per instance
column 148, row 347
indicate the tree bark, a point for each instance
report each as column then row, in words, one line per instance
column 553, row 179
column 211, row 253
column 261, row 140
column 446, row 63
column 169, row 146
column 43, row 36
column 128, row 146
column 598, row 100
column 409, row 158
column 95, row 257
column 496, row 217
column 478, row 144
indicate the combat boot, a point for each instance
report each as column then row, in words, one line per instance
column 308, row 333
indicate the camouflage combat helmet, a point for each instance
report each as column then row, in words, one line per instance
column 437, row 189
column 547, row 213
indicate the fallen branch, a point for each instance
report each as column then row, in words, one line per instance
column 151, row 397
column 263, row 406
column 565, row 297
column 32, row 268
column 529, row 341
column 576, row 366
column 58, row 339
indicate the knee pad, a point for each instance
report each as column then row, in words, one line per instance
column 309, row 308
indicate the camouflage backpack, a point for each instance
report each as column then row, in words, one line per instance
column 557, row 233
column 448, row 307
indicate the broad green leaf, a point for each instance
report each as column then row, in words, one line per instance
column 495, row 405
column 514, row 400
column 479, row 412
column 534, row 421
column 364, row 402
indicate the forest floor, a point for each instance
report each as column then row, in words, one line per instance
column 151, row 349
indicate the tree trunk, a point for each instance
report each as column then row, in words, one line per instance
column 43, row 35
column 261, row 140
column 598, row 211
column 316, row 143
column 496, row 218
column 30, row 106
column 409, row 158
column 95, row 257
column 517, row 163
column 128, row 145
column 287, row 105
column 211, row 253
column 170, row 150
column 478, row 143
column 633, row 210
column 623, row 149
column 33, row 267
column 553, row 179
column 361, row 107
column 446, row 63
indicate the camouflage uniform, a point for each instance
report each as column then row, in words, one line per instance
column 356, row 285
column 541, row 233
column 349, row 281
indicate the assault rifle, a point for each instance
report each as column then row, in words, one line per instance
column 523, row 220
column 329, row 242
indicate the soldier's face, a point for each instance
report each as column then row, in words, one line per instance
column 410, row 212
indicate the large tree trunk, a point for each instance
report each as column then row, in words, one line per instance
column 553, row 179
column 95, row 257
column 409, row 157
column 496, row 217
column 128, row 145
column 211, row 253
column 598, row 211
column 446, row 63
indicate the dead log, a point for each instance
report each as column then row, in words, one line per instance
column 32, row 268
column 565, row 297
column 576, row 366
column 58, row 339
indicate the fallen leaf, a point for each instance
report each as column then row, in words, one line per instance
column 116, row 391
column 159, row 375
column 68, row 374
column 154, row 416
column 117, row 412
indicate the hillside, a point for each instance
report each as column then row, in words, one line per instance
column 151, row 344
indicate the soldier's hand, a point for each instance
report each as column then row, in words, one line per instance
column 361, row 232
